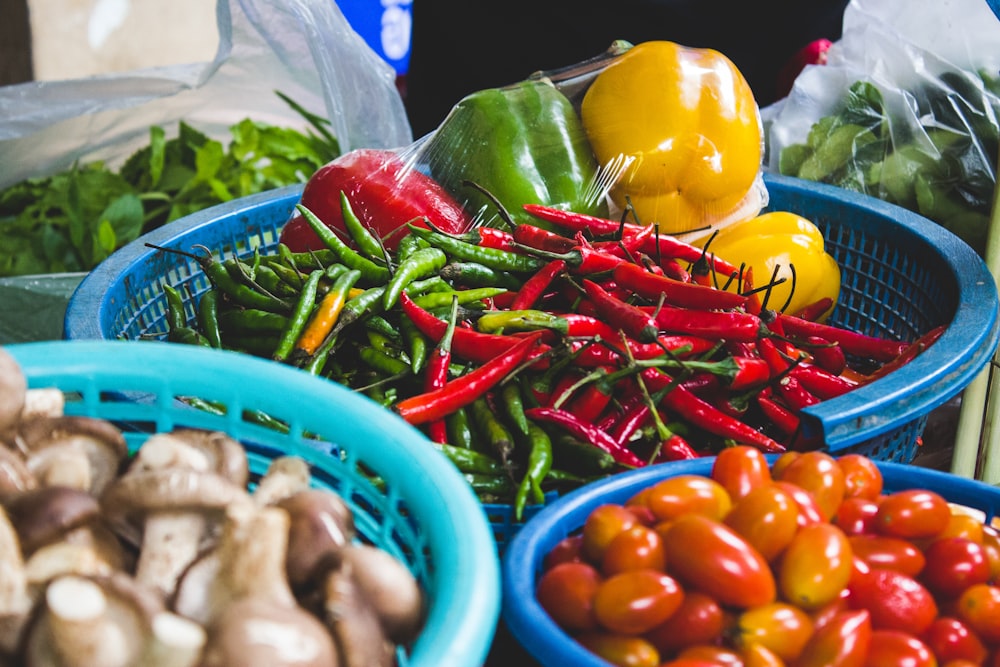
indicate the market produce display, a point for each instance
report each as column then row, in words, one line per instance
column 173, row 554
column 71, row 221
column 800, row 560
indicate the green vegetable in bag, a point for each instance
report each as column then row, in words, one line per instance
column 523, row 144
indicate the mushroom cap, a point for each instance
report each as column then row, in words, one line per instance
column 100, row 440
column 321, row 525
column 15, row 478
column 45, row 514
column 13, row 389
column 255, row 632
column 224, row 455
column 390, row 587
column 354, row 622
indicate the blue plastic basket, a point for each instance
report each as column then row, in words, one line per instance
column 419, row 509
column 550, row 645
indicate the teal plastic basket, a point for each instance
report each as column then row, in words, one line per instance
column 534, row 630
column 407, row 498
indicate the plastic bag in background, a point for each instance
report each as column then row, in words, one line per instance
column 905, row 109
column 304, row 48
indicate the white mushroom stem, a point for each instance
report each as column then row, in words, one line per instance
column 62, row 465
column 63, row 558
column 43, row 402
column 252, row 553
column 170, row 541
column 175, row 642
column 83, row 629
column 15, row 602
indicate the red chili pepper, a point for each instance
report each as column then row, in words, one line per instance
column 463, row 390
column 676, row 293
column 536, row 285
column 813, row 310
column 487, row 237
column 828, row 356
column 540, row 238
column 753, row 304
column 675, row 448
column 783, row 419
column 673, row 269
column 587, row 433
column 732, row 325
column 607, row 355
column 794, row 394
column 436, row 375
column 635, row 414
column 634, row 321
column 853, row 343
column 821, row 382
column 706, row 416
column 770, row 353
column 909, row 353
column 628, row 245
column 591, row 401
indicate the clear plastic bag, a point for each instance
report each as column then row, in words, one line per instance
column 304, row 48
column 905, row 109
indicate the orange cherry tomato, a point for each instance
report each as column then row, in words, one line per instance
column 636, row 548
column 780, row 463
column 889, row 552
column 961, row 524
column 767, row 517
column 862, row 477
column 601, row 526
column 780, row 627
column 720, row 656
column 816, row 567
column 566, row 592
column 740, row 470
column 818, row 473
column 636, row 601
column 843, row 641
column 896, row 601
column 856, row 515
column 954, row 564
column 912, row 514
column 621, row 649
column 698, row 620
column 709, row 556
column 979, row 607
column 896, row 648
column 682, row 494
column 809, row 509
column 758, row 655
column 950, row 638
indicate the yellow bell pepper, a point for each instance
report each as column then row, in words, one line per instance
column 780, row 240
column 683, row 126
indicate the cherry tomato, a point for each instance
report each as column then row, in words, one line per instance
column 896, row 601
column 566, row 593
column 856, row 515
column 719, row 656
column 979, row 607
column 713, row 558
column 758, row 655
column 698, row 620
column 818, row 473
column 601, row 526
column 636, row 548
column 566, row 550
column 961, row 524
column 862, row 477
column 767, row 518
column 671, row 497
column 621, row 649
column 896, row 648
column 912, row 514
column 991, row 543
column 781, row 627
column 780, row 463
column 690, row 662
column 892, row 553
column 740, row 470
column 809, row 509
column 841, row 642
column 949, row 638
column 954, row 564
column 816, row 567
column 636, row 601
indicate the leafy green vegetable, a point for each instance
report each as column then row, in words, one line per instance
column 72, row 220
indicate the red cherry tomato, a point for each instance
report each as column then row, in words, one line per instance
column 896, row 601
column 954, row 564
column 809, row 509
column 862, row 477
column 912, row 514
column 843, row 641
column 720, row 656
column 636, row 601
column 740, row 470
column 856, row 515
column 711, row 557
column 566, row 593
column 601, row 526
column 698, row 620
column 566, row 550
column 891, row 553
column 636, row 548
column 767, row 517
column 671, row 497
column 781, row 627
column 896, row 648
column 621, row 649
column 979, row 607
column 949, row 638
column 818, row 473
column 816, row 567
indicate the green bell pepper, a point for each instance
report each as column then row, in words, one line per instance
column 522, row 143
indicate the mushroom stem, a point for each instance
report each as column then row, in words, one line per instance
column 170, row 542
column 253, row 554
column 175, row 642
column 82, row 630
column 285, row 476
column 14, row 599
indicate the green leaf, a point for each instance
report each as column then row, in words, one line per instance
column 208, row 160
column 157, row 154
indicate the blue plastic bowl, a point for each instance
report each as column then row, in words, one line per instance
column 419, row 508
column 549, row 644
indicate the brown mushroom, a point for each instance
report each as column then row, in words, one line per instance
column 15, row 603
column 13, row 388
column 286, row 475
column 321, row 525
column 47, row 514
column 15, row 478
column 174, row 641
column 390, row 587
column 43, row 402
column 354, row 622
column 195, row 448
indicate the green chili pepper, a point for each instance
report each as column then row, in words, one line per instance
column 297, row 322
column 176, row 319
column 495, row 258
column 251, row 320
column 271, row 281
column 525, row 144
column 416, row 343
column 368, row 244
column 188, row 336
column 498, row 487
column 433, row 300
column 408, row 245
column 427, row 286
column 539, row 464
column 474, row 274
column 370, row 271
column 380, row 325
column 308, row 260
column 507, row 321
column 469, row 461
column 421, row 264
column 383, row 362
column 208, row 317
column 512, row 403
column 459, row 429
column 498, row 437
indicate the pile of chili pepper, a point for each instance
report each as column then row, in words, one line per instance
column 539, row 360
